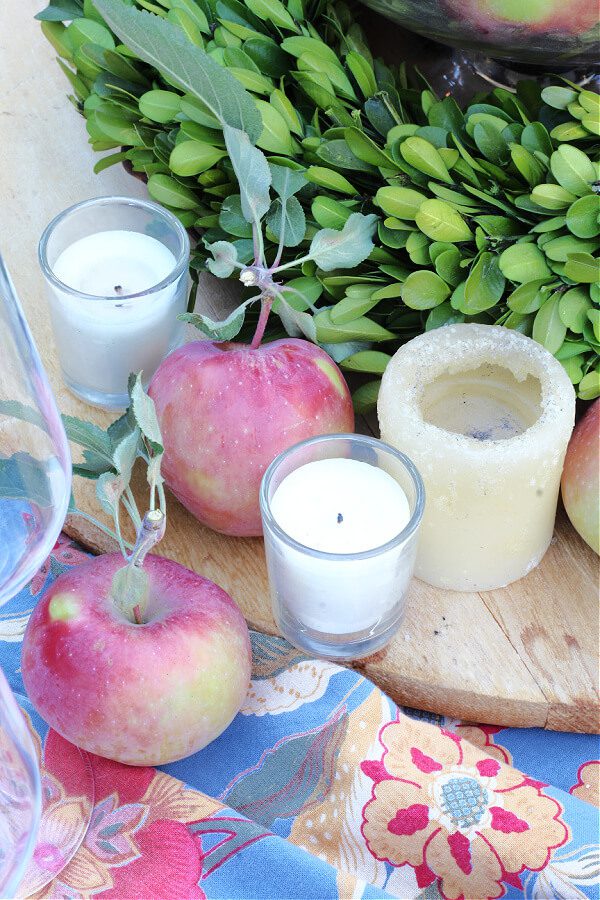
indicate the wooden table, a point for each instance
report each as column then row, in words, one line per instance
column 526, row 655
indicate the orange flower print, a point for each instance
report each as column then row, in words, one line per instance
column 588, row 782
column 483, row 737
column 456, row 814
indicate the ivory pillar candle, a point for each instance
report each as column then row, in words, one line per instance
column 486, row 414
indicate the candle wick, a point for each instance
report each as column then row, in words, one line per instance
column 340, row 518
column 118, row 288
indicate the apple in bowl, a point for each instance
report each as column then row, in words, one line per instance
column 143, row 693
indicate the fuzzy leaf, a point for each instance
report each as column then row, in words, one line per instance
column 287, row 217
column 224, row 259
column 252, row 172
column 286, row 182
column 164, row 46
column 296, row 322
column 225, row 330
column 145, row 414
column 346, row 248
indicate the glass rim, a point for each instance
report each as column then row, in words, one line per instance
column 181, row 263
column 377, row 444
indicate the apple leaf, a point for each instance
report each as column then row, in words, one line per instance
column 22, row 477
column 347, row 248
column 145, row 415
column 166, row 47
column 296, row 322
column 225, row 330
column 252, row 172
column 109, row 488
column 224, row 258
column 286, row 182
column 287, row 221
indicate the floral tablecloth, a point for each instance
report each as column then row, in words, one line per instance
column 321, row 788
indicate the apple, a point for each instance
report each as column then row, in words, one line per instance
column 581, row 477
column 226, row 410
column 143, row 694
column 570, row 16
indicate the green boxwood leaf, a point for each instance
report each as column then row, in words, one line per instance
column 272, row 11
column 548, row 328
column 447, row 265
column 193, row 157
column 327, row 178
column 443, row 315
column 573, row 170
column 559, row 97
column 528, row 297
column 523, row 263
column 440, row 222
column 400, row 202
column 329, row 213
column 589, row 386
column 364, row 398
column 160, row 106
column 552, row 196
column 583, row 216
column 558, row 249
column 361, row 329
column 171, row 193
column 424, row 290
column 484, row 286
column 573, row 309
column 424, row 157
column 371, row 361
column 582, row 267
column 275, row 136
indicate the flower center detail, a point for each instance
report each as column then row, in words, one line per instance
column 48, row 857
column 464, row 800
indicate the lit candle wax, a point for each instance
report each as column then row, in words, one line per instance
column 103, row 337
column 486, row 414
column 340, row 506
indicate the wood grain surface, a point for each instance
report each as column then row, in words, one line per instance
column 526, row 655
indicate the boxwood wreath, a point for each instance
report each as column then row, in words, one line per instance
column 486, row 214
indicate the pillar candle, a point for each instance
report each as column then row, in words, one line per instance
column 485, row 413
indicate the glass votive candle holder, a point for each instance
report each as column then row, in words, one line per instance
column 341, row 516
column 116, row 270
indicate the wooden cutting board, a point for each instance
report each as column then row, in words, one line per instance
column 526, row 655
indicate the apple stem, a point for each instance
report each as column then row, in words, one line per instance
column 265, row 309
column 151, row 532
column 137, row 614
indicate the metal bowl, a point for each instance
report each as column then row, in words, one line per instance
column 554, row 34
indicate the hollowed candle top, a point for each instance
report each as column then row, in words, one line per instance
column 486, row 414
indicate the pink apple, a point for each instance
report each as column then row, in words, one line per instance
column 581, row 477
column 571, row 16
column 143, row 694
column 227, row 410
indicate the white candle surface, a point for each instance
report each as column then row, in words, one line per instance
column 485, row 413
column 114, row 263
column 340, row 506
column 101, row 341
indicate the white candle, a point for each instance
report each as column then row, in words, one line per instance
column 104, row 337
column 345, row 507
column 486, row 414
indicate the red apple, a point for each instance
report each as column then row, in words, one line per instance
column 571, row 16
column 143, row 694
column 581, row 477
column 227, row 410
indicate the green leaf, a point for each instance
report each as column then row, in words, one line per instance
column 22, row 477
column 337, row 153
column 367, row 150
column 535, row 138
column 484, row 286
column 443, row 315
column 225, row 330
column 523, row 263
column 371, row 361
column 272, row 11
column 224, row 259
column 552, row 196
column 275, row 136
column 287, row 217
column 88, row 31
column 171, row 193
column 439, row 221
column 193, row 157
column 573, row 309
column 164, row 46
column 583, row 216
column 582, row 267
column 417, row 247
column 364, row 398
column 559, row 97
column 589, row 386
column 351, row 308
column 558, row 249
column 401, row 202
column 89, row 436
column 231, row 217
column 447, row 265
column 424, row 157
column 60, row 11
column 363, row 73
column 361, row 329
column 573, row 366
column 528, row 165
column 296, row 322
column 424, row 290
column 329, row 213
column 286, row 182
column 346, row 248
column 573, row 170
column 160, row 106
column 280, row 102
column 528, row 297
column 144, row 413
column 491, row 144
column 327, row 178
column 303, row 292
column 252, row 172
column 548, row 329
